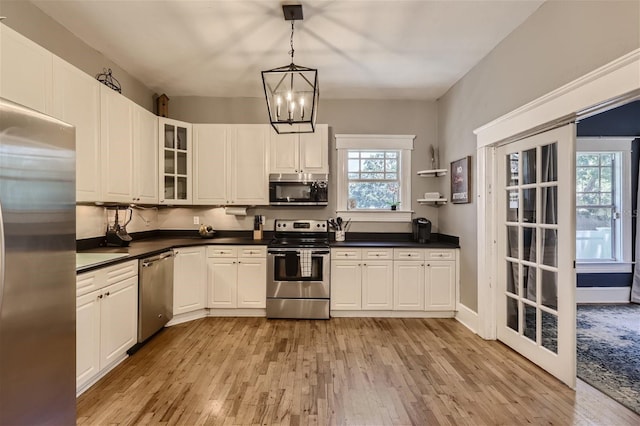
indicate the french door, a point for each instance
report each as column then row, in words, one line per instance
column 536, row 250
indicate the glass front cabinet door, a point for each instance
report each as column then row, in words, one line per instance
column 175, row 161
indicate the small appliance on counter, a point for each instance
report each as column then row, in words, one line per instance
column 421, row 230
column 206, row 231
column 117, row 234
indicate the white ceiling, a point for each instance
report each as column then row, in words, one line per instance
column 390, row 49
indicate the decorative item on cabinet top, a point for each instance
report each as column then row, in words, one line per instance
column 107, row 78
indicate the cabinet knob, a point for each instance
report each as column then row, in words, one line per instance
column 409, row 255
column 106, row 294
column 100, row 296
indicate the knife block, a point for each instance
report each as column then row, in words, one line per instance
column 257, row 233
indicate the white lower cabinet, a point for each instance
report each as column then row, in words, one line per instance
column 401, row 279
column 361, row 282
column 408, row 289
column 440, row 289
column 106, row 319
column 237, row 277
column 346, row 285
column 189, row 280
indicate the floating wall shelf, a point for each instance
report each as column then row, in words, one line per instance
column 432, row 173
column 431, row 202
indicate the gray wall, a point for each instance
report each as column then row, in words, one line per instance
column 31, row 22
column 561, row 41
column 343, row 116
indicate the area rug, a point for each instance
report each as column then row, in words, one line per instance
column 608, row 349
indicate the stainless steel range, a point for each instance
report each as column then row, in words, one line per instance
column 298, row 270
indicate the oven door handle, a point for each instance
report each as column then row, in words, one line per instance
column 282, row 252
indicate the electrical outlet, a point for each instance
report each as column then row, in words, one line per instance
column 196, row 220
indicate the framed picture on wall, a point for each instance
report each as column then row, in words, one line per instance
column 460, row 184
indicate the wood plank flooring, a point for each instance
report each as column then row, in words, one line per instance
column 355, row 371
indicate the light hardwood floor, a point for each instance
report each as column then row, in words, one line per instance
column 343, row 371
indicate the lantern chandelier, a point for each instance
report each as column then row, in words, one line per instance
column 292, row 90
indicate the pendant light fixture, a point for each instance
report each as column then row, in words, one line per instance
column 292, row 90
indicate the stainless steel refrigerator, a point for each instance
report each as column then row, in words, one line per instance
column 37, row 268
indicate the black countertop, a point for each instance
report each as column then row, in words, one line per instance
column 144, row 247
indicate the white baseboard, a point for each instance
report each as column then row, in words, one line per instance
column 237, row 312
column 603, row 294
column 186, row 317
column 467, row 317
column 101, row 374
column 392, row 314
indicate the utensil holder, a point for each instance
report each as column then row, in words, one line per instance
column 340, row 235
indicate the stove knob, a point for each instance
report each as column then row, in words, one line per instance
column 324, row 225
column 318, row 225
column 284, row 225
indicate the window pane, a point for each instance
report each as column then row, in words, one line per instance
column 512, row 313
column 529, row 205
column 512, row 278
column 550, row 205
column 587, row 199
column 372, row 176
column 529, row 282
column 529, row 166
column 550, row 331
column 374, row 195
column 606, row 159
column 371, row 154
column 549, row 163
column 354, row 165
column 353, row 175
column 606, row 179
column 392, row 165
column 587, row 159
column 593, row 233
column 512, row 205
column 354, row 154
column 372, row 165
column 605, row 199
column 392, row 176
column 587, row 179
column 530, row 322
column 529, row 244
column 512, row 169
column 550, row 247
column 392, row 154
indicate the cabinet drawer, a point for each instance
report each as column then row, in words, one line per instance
column 443, row 254
column 252, row 251
column 100, row 278
column 89, row 281
column 377, row 253
column 408, row 254
column 345, row 253
column 222, row 251
column 121, row 271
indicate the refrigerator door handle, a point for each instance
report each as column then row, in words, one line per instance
column 2, row 256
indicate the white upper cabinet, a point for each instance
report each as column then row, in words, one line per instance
column 210, row 163
column 25, row 71
column 145, row 156
column 249, row 159
column 76, row 100
column 300, row 152
column 117, row 146
column 230, row 164
column 174, row 154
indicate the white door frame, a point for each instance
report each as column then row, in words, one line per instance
column 609, row 86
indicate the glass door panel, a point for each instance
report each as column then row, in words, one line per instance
column 537, row 282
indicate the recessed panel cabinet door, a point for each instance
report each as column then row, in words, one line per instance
column 284, row 152
column 119, row 320
column 440, row 285
column 211, row 164
column 408, row 283
column 117, row 146
column 87, row 337
column 314, row 150
column 189, row 280
column 145, row 156
column 377, row 285
column 25, row 71
column 223, row 278
column 346, row 285
column 76, row 100
column 252, row 284
column 249, row 161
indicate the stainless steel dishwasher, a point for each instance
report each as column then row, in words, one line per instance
column 155, row 302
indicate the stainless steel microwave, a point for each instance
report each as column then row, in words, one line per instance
column 303, row 189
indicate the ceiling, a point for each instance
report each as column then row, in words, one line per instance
column 362, row 49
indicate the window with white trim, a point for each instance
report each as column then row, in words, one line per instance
column 603, row 197
column 374, row 174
